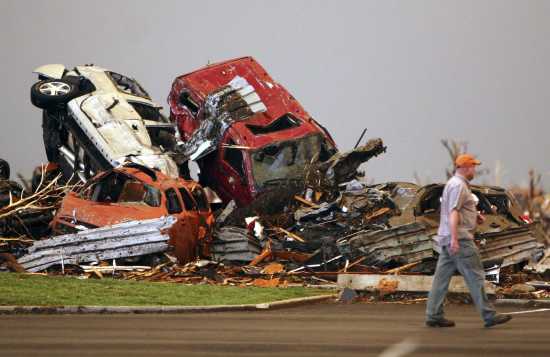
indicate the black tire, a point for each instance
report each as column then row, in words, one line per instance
column 4, row 170
column 53, row 92
column 54, row 135
column 8, row 187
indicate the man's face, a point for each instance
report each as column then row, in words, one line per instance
column 470, row 172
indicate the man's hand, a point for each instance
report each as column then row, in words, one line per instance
column 455, row 247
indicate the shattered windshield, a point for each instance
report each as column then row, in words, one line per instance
column 116, row 188
column 128, row 85
column 287, row 159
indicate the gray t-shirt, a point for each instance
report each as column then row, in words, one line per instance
column 457, row 195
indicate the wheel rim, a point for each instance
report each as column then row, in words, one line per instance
column 54, row 88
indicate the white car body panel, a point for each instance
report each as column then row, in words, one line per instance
column 53, row 71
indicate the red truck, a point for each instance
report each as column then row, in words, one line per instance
column 262, row 148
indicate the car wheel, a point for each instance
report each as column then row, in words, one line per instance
column 4, row 170
column 52, row 92
column 54, row 135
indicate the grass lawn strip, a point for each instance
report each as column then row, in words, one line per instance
column 27, row 290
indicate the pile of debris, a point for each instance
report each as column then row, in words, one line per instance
column 25, row 214
column 276, row 204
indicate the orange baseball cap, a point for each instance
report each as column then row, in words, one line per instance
column 466, row 160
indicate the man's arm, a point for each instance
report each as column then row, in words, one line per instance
column 454, row 219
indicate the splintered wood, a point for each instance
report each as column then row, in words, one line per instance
column 206, row 272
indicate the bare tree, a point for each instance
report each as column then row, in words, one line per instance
column 535, row 190
column 454, row 148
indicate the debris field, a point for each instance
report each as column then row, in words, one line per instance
column 274, row 202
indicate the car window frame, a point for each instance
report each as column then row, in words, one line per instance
column 178, row 201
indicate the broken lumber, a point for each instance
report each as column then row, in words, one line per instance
column 404, row 283
column 292, row 235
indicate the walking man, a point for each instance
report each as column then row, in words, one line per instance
column 459, row 218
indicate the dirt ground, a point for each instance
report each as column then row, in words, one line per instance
column 317, row 330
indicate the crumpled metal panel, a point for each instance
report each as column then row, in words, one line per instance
column 404, row 244
column 512, row 246
column 122, row 240
column 54, row 71
column 118, row 138
column 234, row 244
column 236, row 101
column 342, row 166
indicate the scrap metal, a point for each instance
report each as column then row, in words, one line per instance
column 130, row 239
column 235, row 101
column 234, row 244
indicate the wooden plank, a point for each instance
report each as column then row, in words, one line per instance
column 410, row 283
column 306, row 202
column 401, row 268
column 291, row 235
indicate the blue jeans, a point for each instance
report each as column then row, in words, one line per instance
column 468, row 263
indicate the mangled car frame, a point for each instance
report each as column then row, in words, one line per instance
column 136, row 193
column 246, row 131
column 95, row 119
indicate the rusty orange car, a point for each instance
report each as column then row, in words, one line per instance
column 134, row 192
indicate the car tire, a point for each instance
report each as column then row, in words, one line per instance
column 54, row 135
column 4, row 170
column 53, row 92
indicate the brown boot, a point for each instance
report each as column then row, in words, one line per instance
column 497, row 320
column 440, row 323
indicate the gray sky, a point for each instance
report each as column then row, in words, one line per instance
column 412, row 72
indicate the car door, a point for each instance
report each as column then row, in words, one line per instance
column 231, row 174
column 205, row 216
column 184, row 234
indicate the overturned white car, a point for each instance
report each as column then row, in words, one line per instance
column 95, row 119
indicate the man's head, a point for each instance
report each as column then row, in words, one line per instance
column 466, row 165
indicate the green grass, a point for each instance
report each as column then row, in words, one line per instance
column 21, row 289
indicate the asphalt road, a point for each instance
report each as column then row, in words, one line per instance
column 318, row 330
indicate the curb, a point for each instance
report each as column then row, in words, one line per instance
column 522, row 302
column 162, row 309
